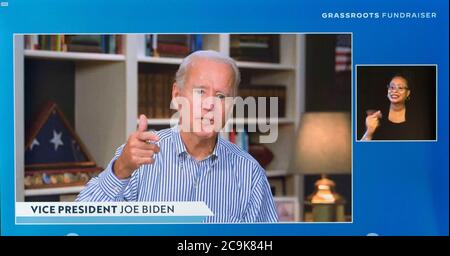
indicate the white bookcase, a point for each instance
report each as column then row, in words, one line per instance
column 106, row 96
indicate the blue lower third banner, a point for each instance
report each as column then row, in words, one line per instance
column 111, row 212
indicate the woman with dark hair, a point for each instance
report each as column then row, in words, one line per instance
column 395, row 122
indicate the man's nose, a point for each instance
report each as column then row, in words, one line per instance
column 208, row 104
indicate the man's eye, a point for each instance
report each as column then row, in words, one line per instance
column 220, row 96
column 200, row 91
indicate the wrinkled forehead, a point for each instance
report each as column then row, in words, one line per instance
column 201, row 64
column 210, row 70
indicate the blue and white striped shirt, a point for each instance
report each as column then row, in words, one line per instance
column 230, row 181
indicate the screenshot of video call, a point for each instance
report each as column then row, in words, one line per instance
column 236, row 122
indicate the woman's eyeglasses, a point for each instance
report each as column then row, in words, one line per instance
column 399, row 88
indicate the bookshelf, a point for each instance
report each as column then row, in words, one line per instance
column 44, row 54
column 106, row 95
column 53, row 191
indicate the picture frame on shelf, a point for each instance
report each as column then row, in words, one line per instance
column 288, row 208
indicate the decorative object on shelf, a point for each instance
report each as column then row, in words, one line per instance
column 54, row 154
column 261, row 153
column 324, row 147
column 327, row 205
column 59, row 178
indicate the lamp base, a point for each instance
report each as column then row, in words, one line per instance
column 328, row 213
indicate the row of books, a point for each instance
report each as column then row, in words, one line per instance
column 243, row 47
column 111, row 44
column 172, row 45
column 255, row 47
column 155, row 94
column 241, row 139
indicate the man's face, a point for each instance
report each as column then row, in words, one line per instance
column 207, row 85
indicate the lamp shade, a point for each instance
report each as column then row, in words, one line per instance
column 323, row 143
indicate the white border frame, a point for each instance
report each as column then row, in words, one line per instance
column 395, row 65
column 298, row 103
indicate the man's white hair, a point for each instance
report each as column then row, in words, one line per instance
column 210, row 55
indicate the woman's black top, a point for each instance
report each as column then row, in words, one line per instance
column 414, row 128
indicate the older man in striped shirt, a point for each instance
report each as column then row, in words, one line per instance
column 190, row 162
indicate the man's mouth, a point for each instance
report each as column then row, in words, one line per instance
column 206, row 120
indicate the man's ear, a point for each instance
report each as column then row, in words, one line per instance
column 174, row 104
column 175, row 91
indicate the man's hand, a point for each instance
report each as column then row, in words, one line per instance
column 139, row 150
column 372, row 123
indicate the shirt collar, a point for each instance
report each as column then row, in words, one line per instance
column 178, row 143
column 180, row 148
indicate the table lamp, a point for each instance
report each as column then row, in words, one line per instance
column 324, row 147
